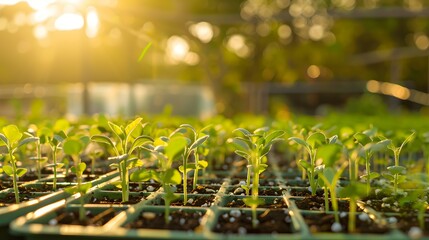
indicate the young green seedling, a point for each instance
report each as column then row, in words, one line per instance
column 194, row 141
column 73, row 147
column 11, row 138
column 328, row 174
column 54, row 140
column 396, row 171
column 311, row 144
column 354, row 191
column 253, row 202
column 34, row 132
column 172, row 149
column 369, row 146
column 254, row 147
column 124, row 149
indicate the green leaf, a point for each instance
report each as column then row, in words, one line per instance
column 396, row 170
column 245, row 132
column 299, row 141
column 117, row 130
column 172, row 176
column 79, row 169
column 8, row 170
column 316, row 139
column 198, row 142
column 61, row 125
column 4, row 140
column 202, row 164
column 189, row 167
column 72, row 147
column 84, row 187
column 329, row 174
column 71, row 190
column 262, row 167
column 273, row 135
column 388, row 176
column 140, row 141
column 242, row 154
column 21, row 171
column 141, row 175
column 329, row 153
column 380, row 146
column 134, row 162
column 304, row 164
column 239, row 144
column 355, row 190
column 12, row 133
column 362, row 138
column 372, row 175
column 27, row 140
column 130, row 127
column 253, row 202
column 175, row 146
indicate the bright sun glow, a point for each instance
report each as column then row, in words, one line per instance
column 177, row 48
column 69, row 21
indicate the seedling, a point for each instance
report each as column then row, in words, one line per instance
column 354, row 191
column 54, row 140
column 253, row 202
column 168, row 176
column 254, row 147
column 329, row 175
column 11, row 138
column 124, row 149
column 396, row 172
column 313, row 142
column 191, row 148
column 369, row 146
column 73, row 147
column 33, row 132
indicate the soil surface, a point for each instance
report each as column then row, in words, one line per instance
column 193, row 201
column 323, row 223
column 405, row 223
column 72, row 218
column 199, row 189
column 276, row 203
column 180, row 220
column 317, row 203
column 270, row 221
column 261, row 192
column 116, row 200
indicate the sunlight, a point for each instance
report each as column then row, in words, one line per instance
column 177, row 48
column 92, row 22
column 203, row 31
column 69, row 21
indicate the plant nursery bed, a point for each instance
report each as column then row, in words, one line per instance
column 286, row 181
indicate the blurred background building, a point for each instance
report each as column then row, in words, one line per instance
column 212, row 57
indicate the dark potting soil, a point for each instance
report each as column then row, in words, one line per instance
column 143, row 187
column 72, row 218
column 261, row 192
column 179, row 220
column 25, row 194
column 405, row 223
column 317, row 203
column 239, row 203
column 270, row 221
column 302, row 192
column 193, row 201
column 118, row 200
column 199, row 189
column 323, row 222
